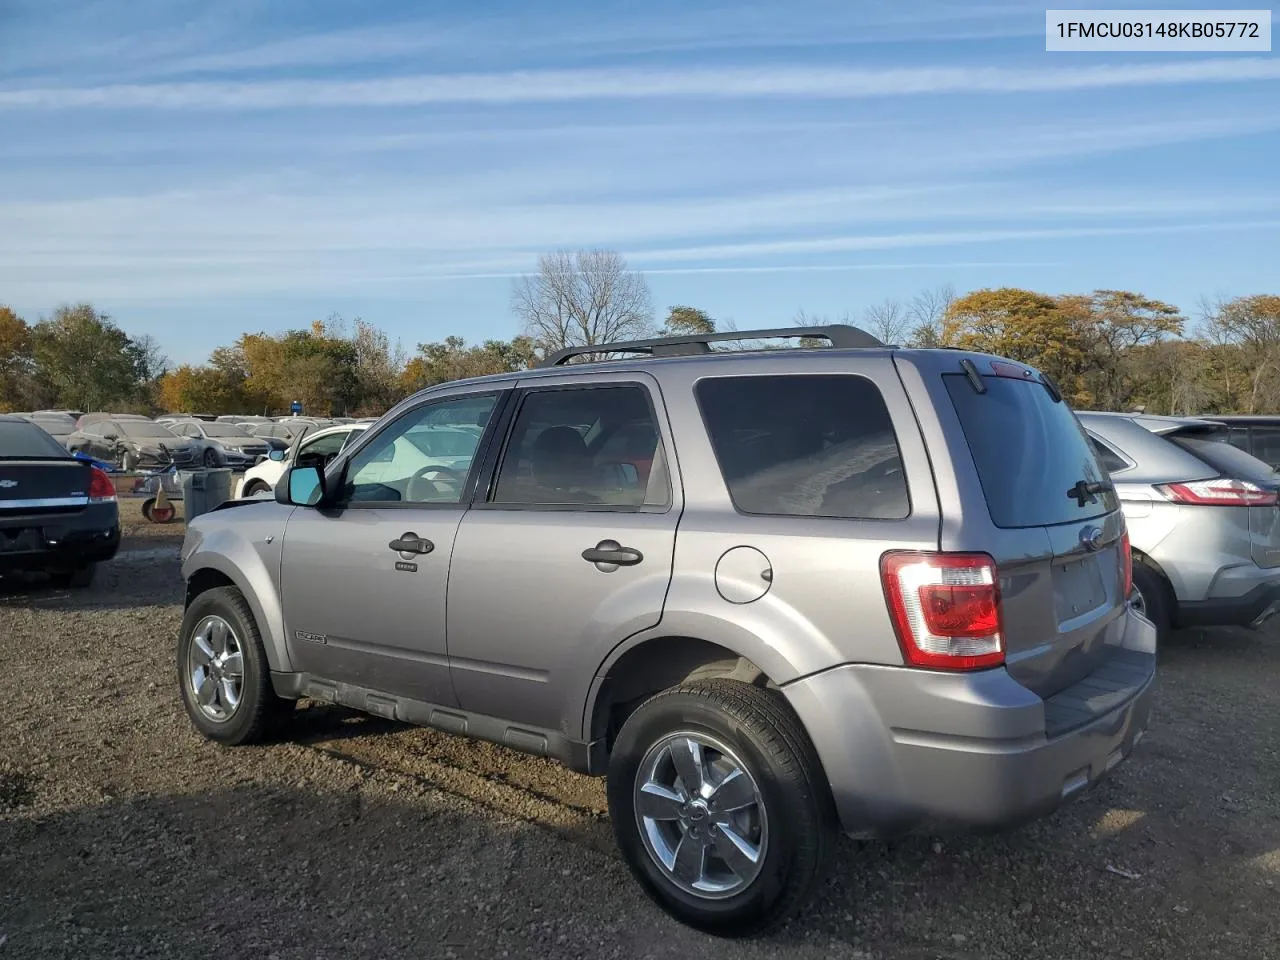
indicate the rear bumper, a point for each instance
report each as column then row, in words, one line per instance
column 1250, row 609
column 907, row 749
column 63, row 542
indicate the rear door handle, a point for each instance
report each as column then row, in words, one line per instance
column 610, row 551
column 412, row 543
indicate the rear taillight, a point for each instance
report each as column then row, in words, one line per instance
column 101, row 489
column 945, row 608
column 1222, row 492
column 1126, row 564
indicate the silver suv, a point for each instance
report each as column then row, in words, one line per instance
column 1203, row 517
column 772, row 594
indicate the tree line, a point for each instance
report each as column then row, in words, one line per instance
column 1107, row 349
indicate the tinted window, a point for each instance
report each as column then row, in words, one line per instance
column 1240, row 438
column 1214, row 450
column 1111, row 461
column 1029, row 452
column 393, row 469
column 565, row 449
column 813, row 446
column 1266, row 444
column 21, row 439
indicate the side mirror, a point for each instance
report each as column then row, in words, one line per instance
column 111, row 436
column 301, row 487
column 276, row 455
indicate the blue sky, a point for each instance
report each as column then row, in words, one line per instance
column 198, row 169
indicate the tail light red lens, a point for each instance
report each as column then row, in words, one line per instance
column 1126, row 564
column 1222, row 492
column 101, row 489
column 945, row 608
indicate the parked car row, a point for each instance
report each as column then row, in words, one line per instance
column 131, row 441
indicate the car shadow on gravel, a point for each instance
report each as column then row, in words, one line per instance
column 340, row 870
column 283, row 872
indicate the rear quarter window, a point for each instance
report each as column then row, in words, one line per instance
column 1215, row 450
column 1029, row 450
column 805, row 446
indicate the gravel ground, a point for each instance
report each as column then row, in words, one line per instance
column 124, row 834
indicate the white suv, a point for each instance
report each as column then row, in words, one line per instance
column 329, row 442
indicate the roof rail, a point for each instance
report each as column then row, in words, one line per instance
column 839, row 335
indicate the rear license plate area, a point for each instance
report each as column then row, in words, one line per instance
column 20, row 540
column 1078, row 588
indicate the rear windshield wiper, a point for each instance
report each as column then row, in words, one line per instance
column 1086, row 491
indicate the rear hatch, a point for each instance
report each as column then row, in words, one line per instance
column 1056, row 534
column 1210, row 445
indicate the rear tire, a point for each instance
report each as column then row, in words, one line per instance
column 787, row 826
column 223, row 673
column 1153, row 598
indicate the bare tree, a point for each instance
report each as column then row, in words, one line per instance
column 583, row 298
column 925, row 313
column 887, row 321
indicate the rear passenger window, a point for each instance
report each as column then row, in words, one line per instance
column 805, row 446
column 588, row 446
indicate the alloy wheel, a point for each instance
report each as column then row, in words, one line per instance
column 215, row 668
column 701, row 815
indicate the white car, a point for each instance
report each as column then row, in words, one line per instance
column 444, row 451
column 261, row 479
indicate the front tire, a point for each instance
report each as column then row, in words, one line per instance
column 256, row 488
column 211, row 458
column 720, row 806
column 223, row 673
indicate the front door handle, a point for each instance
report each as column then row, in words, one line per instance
column 610, row 551
column 412, row 543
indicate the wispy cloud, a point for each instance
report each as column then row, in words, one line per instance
column 636, row 84
column 937, row 238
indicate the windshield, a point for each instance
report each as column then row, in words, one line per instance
column 1029, row 451
column 54, row 423
column 223, row 430
column 141, row 430
column 21, row 440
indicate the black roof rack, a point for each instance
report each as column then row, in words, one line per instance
column 839, row 335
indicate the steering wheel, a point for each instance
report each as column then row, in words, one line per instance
column 414, row 491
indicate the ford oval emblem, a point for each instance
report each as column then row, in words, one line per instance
column 1091, row 538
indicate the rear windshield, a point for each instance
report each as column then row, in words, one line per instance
column 21, row 440
column 1029, row 452
column 1228, row 460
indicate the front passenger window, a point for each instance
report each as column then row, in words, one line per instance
column 424, row 456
